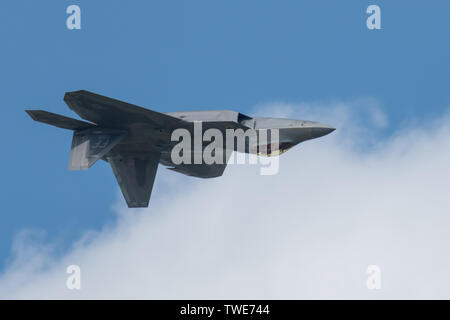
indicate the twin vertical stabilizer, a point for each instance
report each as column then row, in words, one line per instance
column 92, row 144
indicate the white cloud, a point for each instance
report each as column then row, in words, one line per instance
column 336, row 206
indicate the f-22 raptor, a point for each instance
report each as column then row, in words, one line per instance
column 134, row 140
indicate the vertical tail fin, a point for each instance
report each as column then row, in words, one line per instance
column 135, row 175
column 91, row 144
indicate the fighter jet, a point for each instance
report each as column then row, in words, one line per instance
column 134, row 140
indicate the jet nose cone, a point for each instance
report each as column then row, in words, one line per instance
column 321, row 130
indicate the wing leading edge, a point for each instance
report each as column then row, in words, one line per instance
column 112, row 113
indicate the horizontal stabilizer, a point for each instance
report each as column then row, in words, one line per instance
column 135, row 175
column 92, row 144
column 59, row 120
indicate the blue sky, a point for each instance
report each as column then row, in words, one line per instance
column 175, row 55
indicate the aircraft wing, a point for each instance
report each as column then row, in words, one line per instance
column 112, row 113
column 135, row 175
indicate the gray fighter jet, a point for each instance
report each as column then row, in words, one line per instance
column 134, row 140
